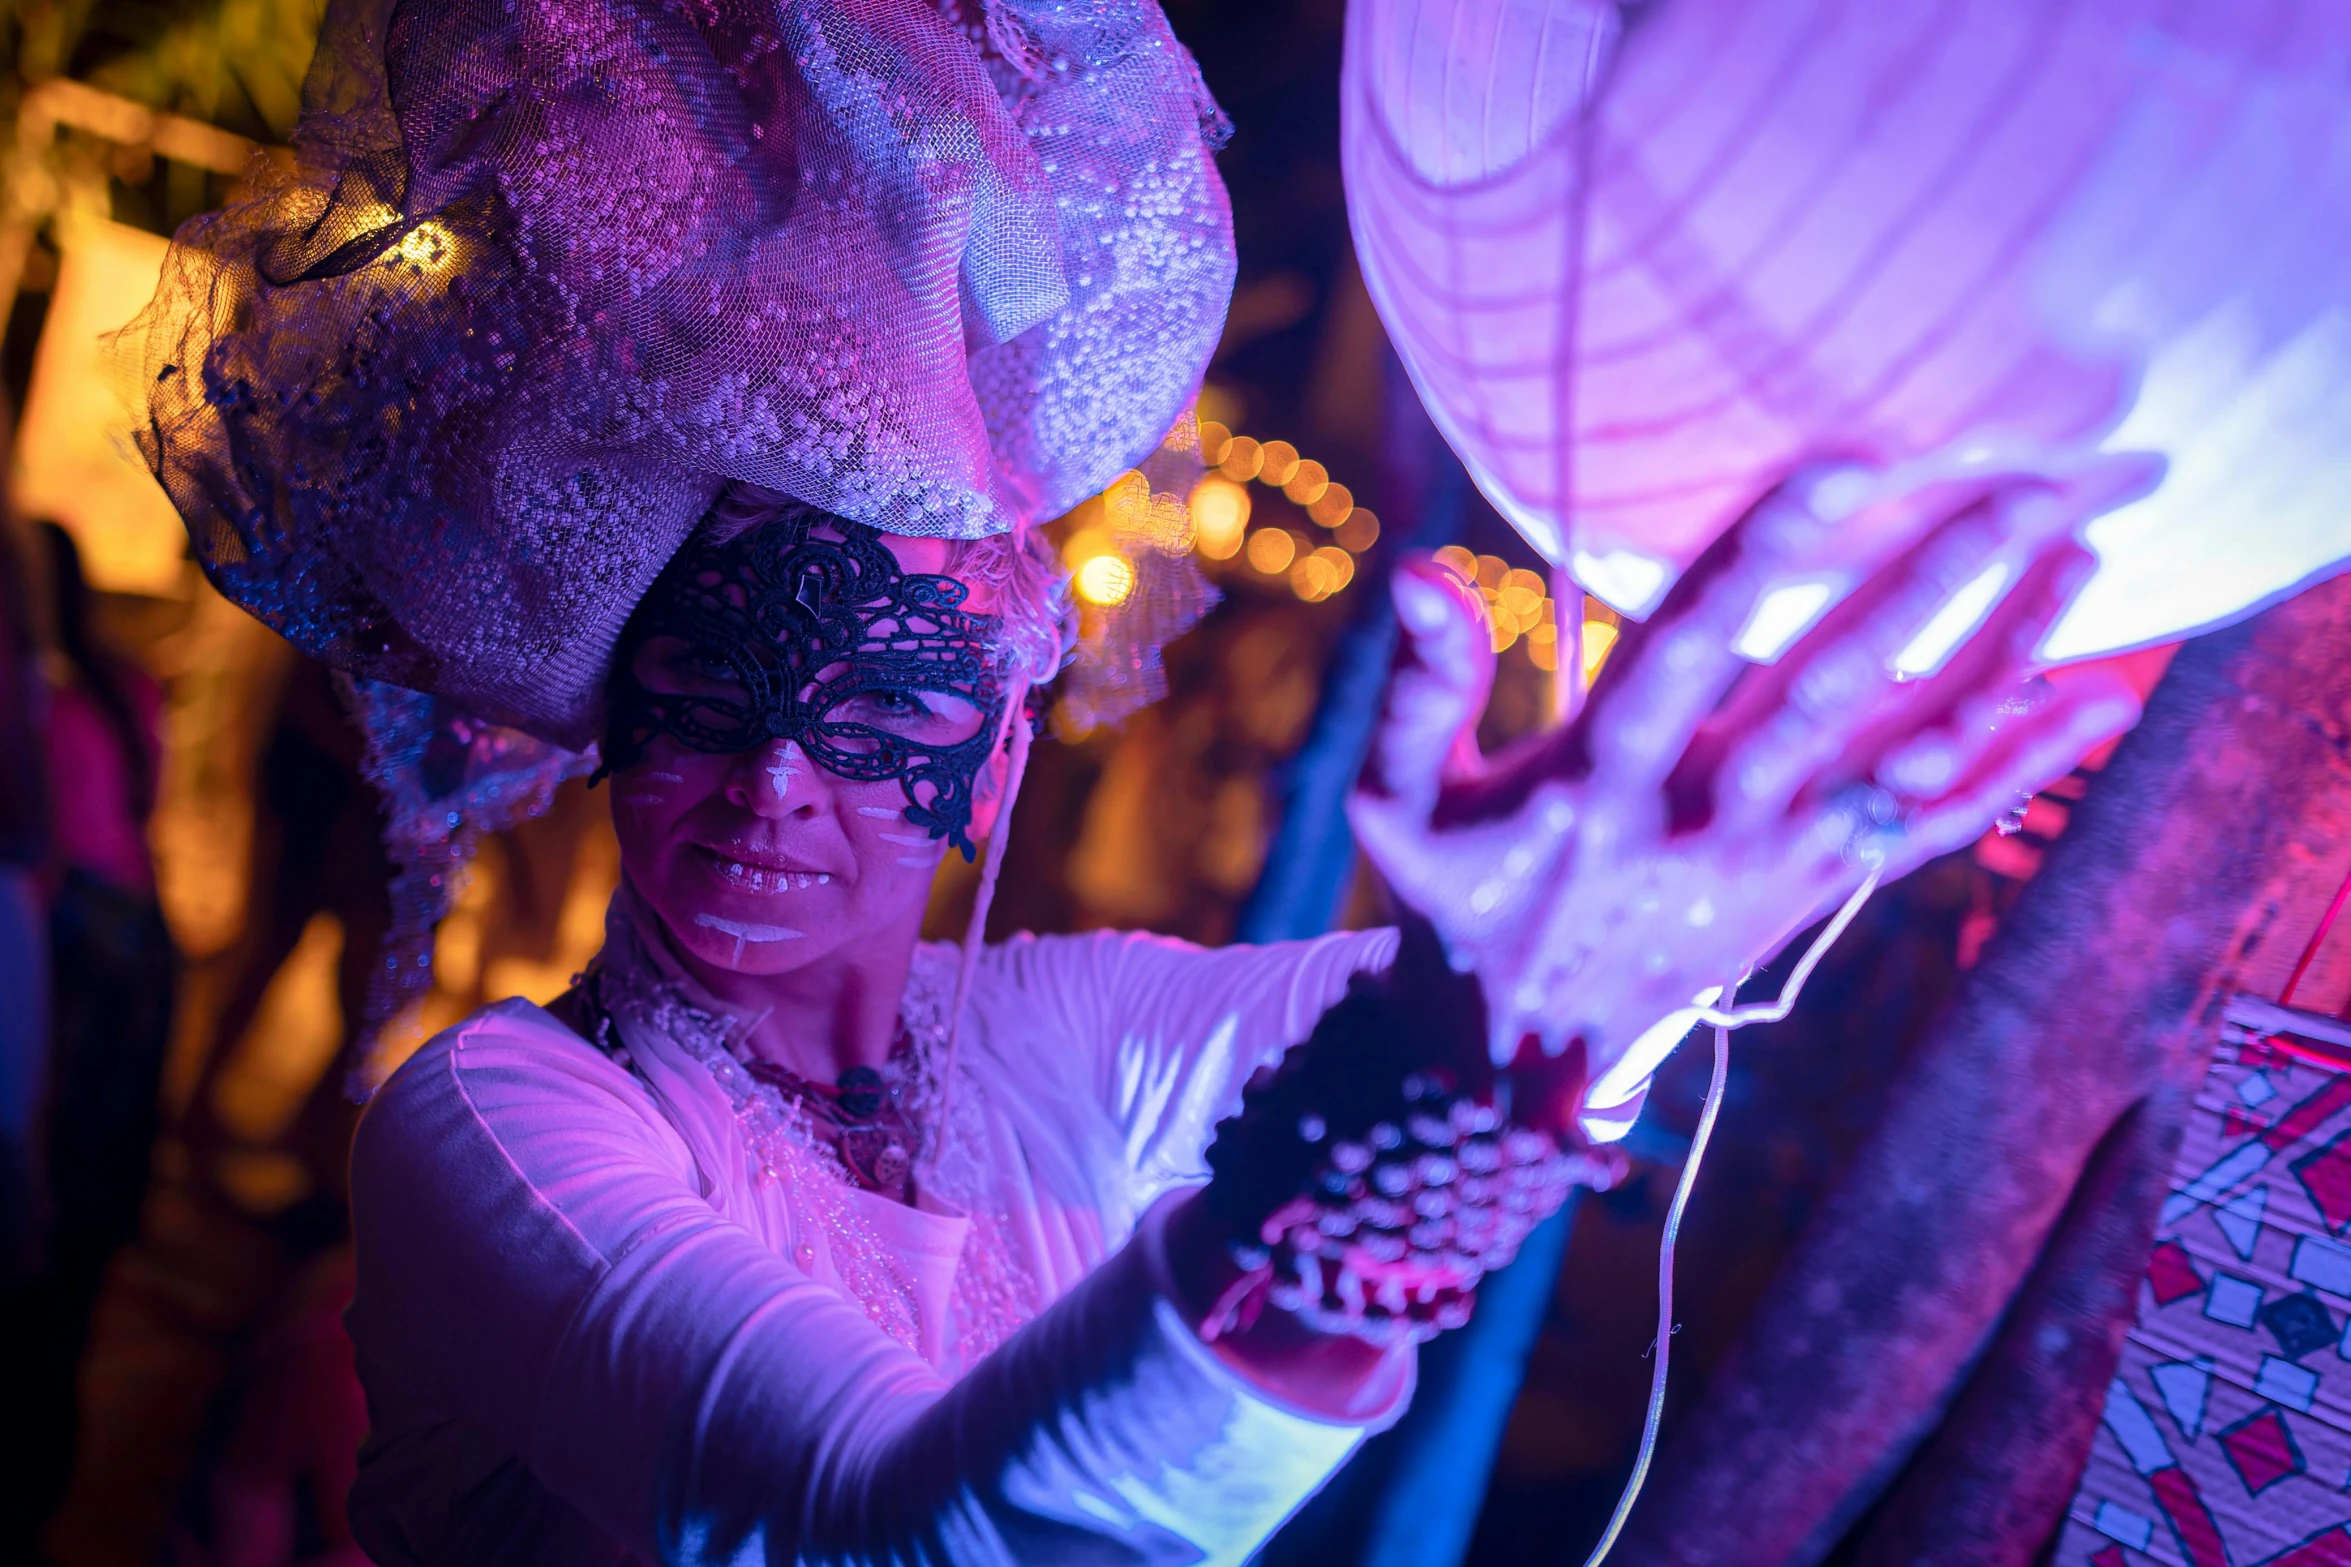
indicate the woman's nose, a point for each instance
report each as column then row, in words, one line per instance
column 778, row 780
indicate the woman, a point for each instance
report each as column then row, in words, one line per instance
column 693, row 379
column 742, row 1252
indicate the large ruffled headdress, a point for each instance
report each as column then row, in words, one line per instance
column 443, row 393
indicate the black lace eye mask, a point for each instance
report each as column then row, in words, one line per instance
column 781, row 634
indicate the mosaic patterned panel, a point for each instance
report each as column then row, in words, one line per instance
column 2227, row 1437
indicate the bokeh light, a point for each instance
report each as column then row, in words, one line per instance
column 1311, row 578
column 1220, row 515
column 1271, row 550
column 1219, row 509
column 1307, row 483
column 1521, row 598
column 1105, row 580
column 1332, row 506
column 1214, row 439
column 1341, row 564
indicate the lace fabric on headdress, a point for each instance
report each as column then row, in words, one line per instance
column 805, row 629
column 440, row 398
column 447, row 779
column 1116, row 665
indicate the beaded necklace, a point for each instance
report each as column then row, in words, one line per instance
column 872, row 1112
column 864, row 1117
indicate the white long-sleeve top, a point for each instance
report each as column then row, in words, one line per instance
column 590, row 1333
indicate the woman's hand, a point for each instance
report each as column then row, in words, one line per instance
column 1704, row 808
column 1376, row 1173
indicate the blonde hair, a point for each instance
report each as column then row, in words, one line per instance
column 1032, row 594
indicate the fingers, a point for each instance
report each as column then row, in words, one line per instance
column 1953, row 720
column 1427, row 734
column 2021, row 749
column 1959, row 613
column 1797, row 551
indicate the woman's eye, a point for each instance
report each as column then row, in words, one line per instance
column 700, row 669
column 935, row 718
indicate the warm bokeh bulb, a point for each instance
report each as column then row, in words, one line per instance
column 1105, row 580
column 1220, row 514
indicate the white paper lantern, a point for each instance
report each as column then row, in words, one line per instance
column 1642, row 261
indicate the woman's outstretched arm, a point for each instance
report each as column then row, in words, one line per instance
column 538, row 1260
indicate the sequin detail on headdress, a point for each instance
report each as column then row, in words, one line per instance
column 443, row 394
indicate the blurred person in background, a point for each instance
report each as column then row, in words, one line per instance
column 218, row 1414
column 24, row 960
column 112, row 963
column 24, row 1020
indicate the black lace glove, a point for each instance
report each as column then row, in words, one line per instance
column 1383, row 1167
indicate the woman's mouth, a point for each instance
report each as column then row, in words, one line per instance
column 755, row 877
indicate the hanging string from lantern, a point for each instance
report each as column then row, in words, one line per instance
column 976, row 929
column 1724, row 1018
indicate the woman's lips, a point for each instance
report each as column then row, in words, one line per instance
column 739, row 868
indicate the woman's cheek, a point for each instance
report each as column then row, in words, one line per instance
column 651, row 798
column 896, row 842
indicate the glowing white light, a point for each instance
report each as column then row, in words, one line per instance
column 1636, row 1066
column 2258, row 436
column 1781, row 616
column 1954, row 623
column 1628, row 582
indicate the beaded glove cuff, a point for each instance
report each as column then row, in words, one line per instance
column 1382, row 1168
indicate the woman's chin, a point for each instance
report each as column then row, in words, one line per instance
column 773, row 929
column 752, row 935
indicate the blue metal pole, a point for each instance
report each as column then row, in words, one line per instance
column 1410, row 1497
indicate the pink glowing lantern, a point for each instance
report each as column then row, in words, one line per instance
column 1642, row 260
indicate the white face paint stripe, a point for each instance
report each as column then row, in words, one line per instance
column 746, row 932
column 781, row 771
column 667, row 777
column 643, row 799
column 743, row 932
column 918, row 859
column 880, row 813
column 919, row 840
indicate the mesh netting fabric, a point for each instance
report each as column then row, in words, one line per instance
column 1115, row 668
column 447, row 779
column 443, row 393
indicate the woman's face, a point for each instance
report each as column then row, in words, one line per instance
column 763, row 862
